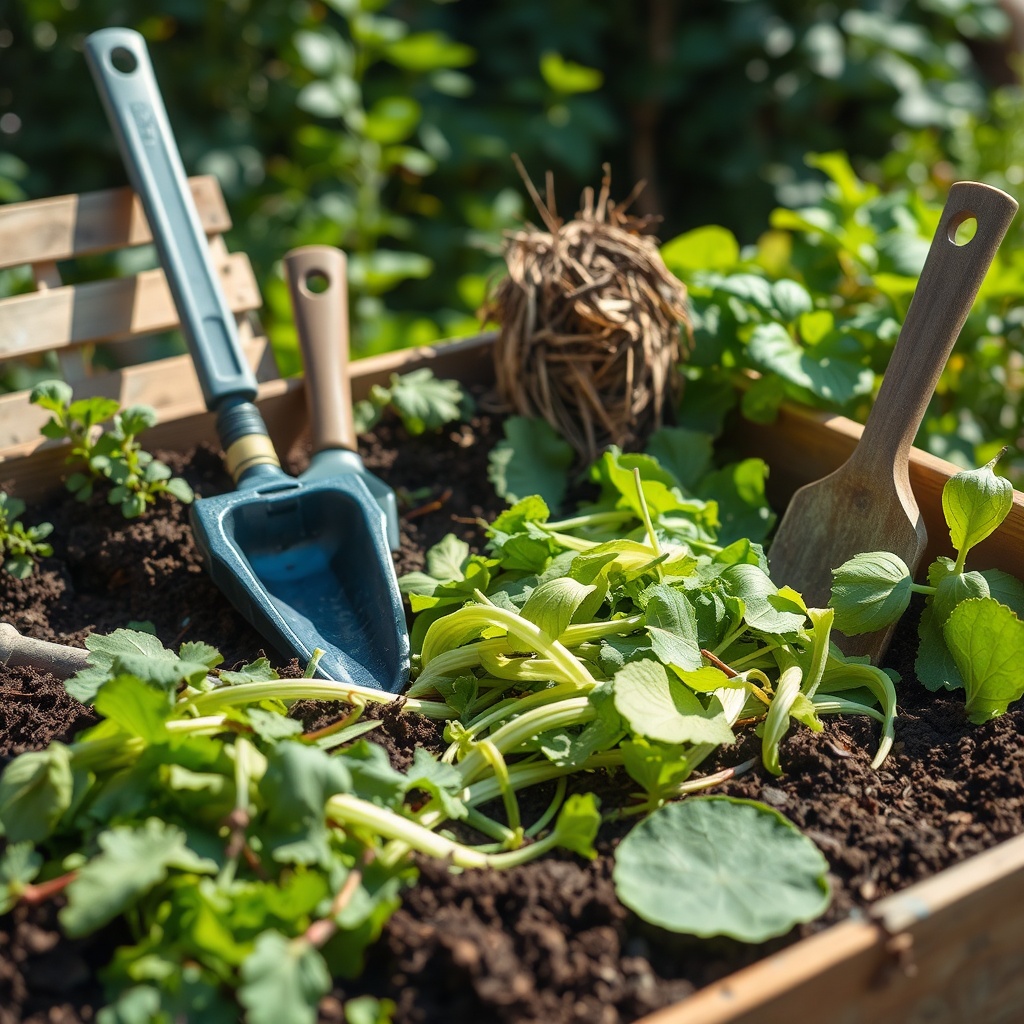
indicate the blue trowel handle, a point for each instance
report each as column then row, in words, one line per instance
column 121, row 68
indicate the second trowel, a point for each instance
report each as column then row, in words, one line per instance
column 317, row 280
column 868, row 503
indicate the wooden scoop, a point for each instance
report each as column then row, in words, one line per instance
column 867, row 504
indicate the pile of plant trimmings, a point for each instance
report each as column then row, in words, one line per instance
column 252, row 861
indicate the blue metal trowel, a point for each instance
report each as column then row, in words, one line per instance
column 305, row 561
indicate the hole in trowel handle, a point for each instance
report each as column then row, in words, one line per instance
column 316, row 282
column 963, row 228
column 123, row 60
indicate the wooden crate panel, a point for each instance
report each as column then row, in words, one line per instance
column 108, row 310
column 49, row 230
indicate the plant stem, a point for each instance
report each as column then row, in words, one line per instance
column 311, row 689
column 344, row 809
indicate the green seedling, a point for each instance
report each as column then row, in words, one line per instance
column 113, row 455
column 972, row 627
column 421, row 401
column 20, row 545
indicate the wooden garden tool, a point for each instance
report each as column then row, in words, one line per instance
column 867, row 504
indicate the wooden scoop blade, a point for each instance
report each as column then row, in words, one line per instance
column 868, row 504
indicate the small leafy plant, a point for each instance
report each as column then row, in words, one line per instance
column 972, row 627
column 420, row 400
column 20, row 545
column 113, row 455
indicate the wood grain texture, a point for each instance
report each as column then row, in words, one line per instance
column 868, row 504
column 78, row 225
column 109, row 310
column 321, row 319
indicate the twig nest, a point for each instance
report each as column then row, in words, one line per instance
column 592, row 325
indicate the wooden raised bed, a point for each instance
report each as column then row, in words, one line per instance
column 949, row 949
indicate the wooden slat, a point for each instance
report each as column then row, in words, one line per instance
column 169, row 385
column 108, row 310
column 77, row 225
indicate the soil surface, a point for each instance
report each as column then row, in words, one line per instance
column 548, row 942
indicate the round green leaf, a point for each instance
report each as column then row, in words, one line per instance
column 870, row 592
column 986, row 640
column 721, row 866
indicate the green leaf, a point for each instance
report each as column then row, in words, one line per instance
column 706, row 679
column 553, row 604
column 1006, row 589
column 986, row 640
column 138, row 708
column 974, row 503
column 721, row 866
column 35, row 790
column 657, row 767
column 532, row 460
column 425, row 403
column 429, row 51
column 392, row 119
column 373, row 777
column 684, row 453
column 54, row 395
column 131, row 862
column 272, row 725
column 447, row 557
column 829, row 377
column 934, row 665
column 577, row 824
column 136, row 418
column 202, row 653
column 870, row 592
column 283, row 981
column 379, row 271
column 659, row 708
column 19, row 866
column 739, row 492
column 704, row 248
column 369, row 1010
column 752, row 585
column 568, row 77
column 178, row 488
column 442, row 781
column 791, row 299
column 294, row 790
column 672, row 625
column 954, row 588
column 258, row 671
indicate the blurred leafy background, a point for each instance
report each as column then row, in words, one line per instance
column 387, row 127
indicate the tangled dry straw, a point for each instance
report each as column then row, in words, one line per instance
column 592, row 326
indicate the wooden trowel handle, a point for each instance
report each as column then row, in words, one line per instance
column 319, row 289
column 946, row 291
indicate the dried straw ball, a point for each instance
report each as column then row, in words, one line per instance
column 592, row 325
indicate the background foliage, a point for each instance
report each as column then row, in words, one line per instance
column 387, row 127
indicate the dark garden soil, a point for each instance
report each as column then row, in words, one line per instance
column 547, row 942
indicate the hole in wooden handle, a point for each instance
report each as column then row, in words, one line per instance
column 316, row 282
column 962, row 228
